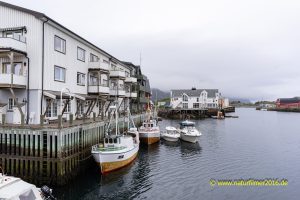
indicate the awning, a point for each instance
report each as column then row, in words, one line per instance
column 2, row 104
column 14, row 28
column 56, row 94
column 85, row 97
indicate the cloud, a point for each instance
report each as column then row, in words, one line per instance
column 246, row 49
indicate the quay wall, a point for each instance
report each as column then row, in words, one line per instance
column 50, row 156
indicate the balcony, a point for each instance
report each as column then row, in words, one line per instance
column 117, row 92
column 99, row 89
column 130, row 80
column 99, row 66
column 117, row 74
column 143, row 100
column 131, row 94
column 19, row 81
column 141, row 88
column 16, row 42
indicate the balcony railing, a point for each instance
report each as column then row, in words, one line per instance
column 16, row 42
column 130, row 80
column 99, row 65
column 18, row 80
column 117, row 73
column 114, row 91
column 131, row 94
column 102, row 89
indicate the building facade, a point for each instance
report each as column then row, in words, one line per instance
column 288, row 102
column 47, row 71
column 195, row 99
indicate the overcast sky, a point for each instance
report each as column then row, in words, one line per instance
column 245, row 48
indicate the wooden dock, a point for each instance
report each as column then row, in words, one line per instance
column 47, row 154
column 192, row 113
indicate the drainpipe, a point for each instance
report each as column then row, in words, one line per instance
column 43, row 64
column 28, row 64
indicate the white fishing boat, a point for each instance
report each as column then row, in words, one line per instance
column 171, row 134
column 117, row 150
column 149, row 131
column 188, row 132
column 14, row 188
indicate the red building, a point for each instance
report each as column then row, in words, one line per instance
column 288, row 102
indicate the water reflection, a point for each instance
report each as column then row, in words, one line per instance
column 189, row 149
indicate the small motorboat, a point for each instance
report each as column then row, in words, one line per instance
column 188, row 132
column 171, row 134
column 15, row 188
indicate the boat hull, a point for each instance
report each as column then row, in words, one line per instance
column 170, row 139
column 189, row 138
column 149, row 137
column 109, row 162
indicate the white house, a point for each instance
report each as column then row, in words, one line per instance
column 42, row 62
column 195, row 98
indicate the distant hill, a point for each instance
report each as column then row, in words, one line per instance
column 160, row 94
column 242, row 100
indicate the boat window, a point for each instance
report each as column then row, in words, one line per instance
column 151, row 125
column 116, row 140
column 105, row 140
column 110, row 140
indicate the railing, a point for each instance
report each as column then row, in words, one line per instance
column 15, row 43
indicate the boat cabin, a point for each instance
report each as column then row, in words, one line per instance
column 117, row 141
column 149, row 124
column 187, row 124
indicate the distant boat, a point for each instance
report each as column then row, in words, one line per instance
column 188, row 132
column 171, row 134
column 16, row 189
column 118, row 150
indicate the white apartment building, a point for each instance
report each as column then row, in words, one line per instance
column 47, row 70
column 195, row 99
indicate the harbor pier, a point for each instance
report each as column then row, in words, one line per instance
column 48, row 154
column 193, row 113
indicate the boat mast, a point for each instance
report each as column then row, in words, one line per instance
column 116, row 111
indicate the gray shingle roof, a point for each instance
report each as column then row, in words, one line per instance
column 194, row 93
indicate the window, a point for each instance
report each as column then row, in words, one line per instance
column 198, row 99
column 93, row 80
column 184, row 105
column 80, row 54
column 59, row 44
column 68, row 107
column 195, row 105
column 184, row 98
column 94, row 58
column 80, row 79
column 59, row 74
column 80, row 107
column 52, row 110
column 11, row 103
column 17, row 70
column 105, row 82
column 127, row 74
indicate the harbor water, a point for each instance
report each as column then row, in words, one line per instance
column 257, row 145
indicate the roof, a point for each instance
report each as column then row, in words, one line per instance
column 44, row 17
column 289, row 100
column 194, row 93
